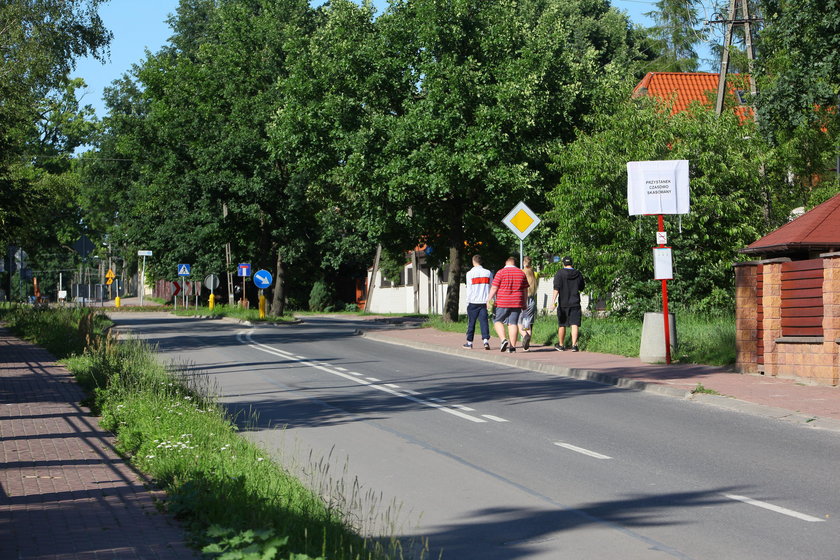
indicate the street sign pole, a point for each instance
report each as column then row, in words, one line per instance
column 661, row 220
column 521, row 221
column 262, row 280
column 143, row 282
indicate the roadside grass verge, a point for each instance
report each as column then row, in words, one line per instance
column 234, row 501
column 702, row 338
column 234, row 311
column 61, row 330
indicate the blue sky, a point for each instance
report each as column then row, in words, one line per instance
column 138, row 26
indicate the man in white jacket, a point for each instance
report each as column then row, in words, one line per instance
column 478, row 288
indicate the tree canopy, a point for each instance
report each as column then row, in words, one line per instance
column 302, row 138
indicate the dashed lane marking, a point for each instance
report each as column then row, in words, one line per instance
column 581, row 450
column 775, row 508
column 245, row 338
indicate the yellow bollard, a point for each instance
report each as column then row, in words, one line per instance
column 262, row 306
column 212, row 301
column 117, row 301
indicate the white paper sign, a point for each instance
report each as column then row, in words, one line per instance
column 657, row 187
column 663, row 268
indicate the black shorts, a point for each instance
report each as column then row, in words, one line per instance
column 568, row 316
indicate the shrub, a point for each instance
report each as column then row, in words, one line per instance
column 321, row 298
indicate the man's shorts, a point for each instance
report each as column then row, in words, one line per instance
column 526, row 319
column 568, row 316
column 507, row 315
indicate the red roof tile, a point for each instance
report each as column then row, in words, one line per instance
column 817, row 229
column 684, row 87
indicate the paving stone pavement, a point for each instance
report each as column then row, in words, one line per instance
column 66, row 493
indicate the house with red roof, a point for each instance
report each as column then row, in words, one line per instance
column 681, row 89
column 787, row 302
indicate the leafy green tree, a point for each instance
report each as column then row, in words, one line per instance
column 799, row 86
column 39, row 43
column 336, row 104
column 676, row 32
column 192, row 132
column 728, row 196
column 492, row 85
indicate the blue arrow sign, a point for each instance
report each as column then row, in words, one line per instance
column 183, row 270
column 262, row 279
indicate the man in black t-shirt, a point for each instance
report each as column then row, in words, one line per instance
column 568, row 283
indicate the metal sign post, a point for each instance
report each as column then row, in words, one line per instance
column 521, row 221
column 663, row 271
column 143, row 254
column 211, row 281
column 658, row 188
column 184, row 271
column 262, row 280
column 244, row 271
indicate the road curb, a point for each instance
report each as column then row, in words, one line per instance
column 719, row 401
column 575, row 373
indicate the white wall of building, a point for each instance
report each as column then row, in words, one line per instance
column 400, row 299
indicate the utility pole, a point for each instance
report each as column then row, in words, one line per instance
column 746, row 20
column 227, row 260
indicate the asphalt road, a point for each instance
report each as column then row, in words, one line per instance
column 485, row 461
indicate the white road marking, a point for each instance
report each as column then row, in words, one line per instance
column 375, row 380
column 462, row 407
column 245, row 338
column 345, row 369
column 392, row 386
column 775, row 508
column 581, row 450
column 494, row 418
column 355, row 373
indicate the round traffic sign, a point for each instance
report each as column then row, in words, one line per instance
column 262, row 279
column 211, row 281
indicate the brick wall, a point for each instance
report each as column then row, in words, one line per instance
column 772, row 306
column 746, row 317
column 812, row 359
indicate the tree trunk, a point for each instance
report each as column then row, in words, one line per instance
column 453, row 285
column 278, row 302
column 415, row 266
column 453, row 282
column 372, row 283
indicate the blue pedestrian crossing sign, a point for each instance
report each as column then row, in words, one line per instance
column 262, row 279
column 183, row 270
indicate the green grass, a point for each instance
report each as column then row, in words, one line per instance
column 233, row 499
column 61, row 330
column 702, row 339
column 700, row 389
column 233, row 311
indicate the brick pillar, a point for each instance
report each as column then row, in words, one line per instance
column 746, row 312
column 831, row 311
column 772, row 304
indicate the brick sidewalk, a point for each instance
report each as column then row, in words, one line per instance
column 67, row 495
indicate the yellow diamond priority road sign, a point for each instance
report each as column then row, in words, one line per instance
column 521, row 220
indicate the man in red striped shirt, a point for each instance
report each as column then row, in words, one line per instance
column 510, row 291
